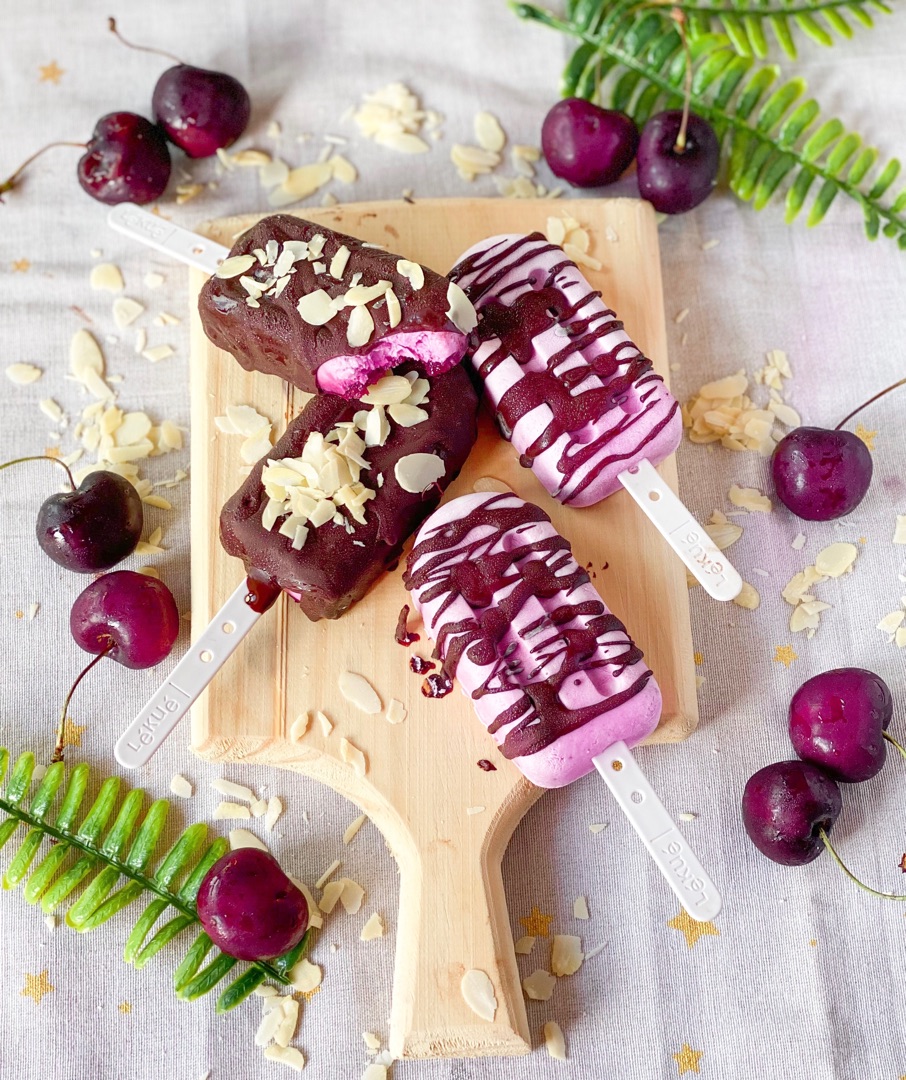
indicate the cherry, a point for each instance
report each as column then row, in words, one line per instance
column 588, row 146
column 837, row 721
column 249, row 908
column 678, row 161
column 127, row 616
column 201, row 111
column 126, row 160
column 821, row 474
column 94, row 526
column 788, row 808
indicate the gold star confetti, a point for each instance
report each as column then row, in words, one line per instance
column 125, row 1007
column 783, row 654
column 537, row 924
column 51, row 72
column 691, row 928
column 699, row 659
column 36, row 986
column 863, row 539
column 20, row 614
column 306, row 995
column 814, row 943
column 20, row 266
column 52, row 451
column 868, row 437
column 687, row 1059
column 72, row 733
column 156, row 211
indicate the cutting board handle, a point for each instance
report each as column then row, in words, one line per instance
column 453, row 918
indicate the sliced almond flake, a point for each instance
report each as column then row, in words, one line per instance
column 749, row 499
column 473, row 810
column 372, row 929
column 415, row 473
column 299, row 726
column 253, row 450
column 597, row 826
column 798, row 542
column 23, row 374
column 51, row 409
column 539, row 985
column 33, row 610
column 229, row 811
column 242, row 838
column 402, row 141
column 316, row 308
column 413, row 272
column 155, row 537
column 353, row 756
column 305, row 976
column 353, row 828
column 273, row 811
column 290, row 1019
column 389, row 390
column 158, row 353
column 899, row 532
column 358, row 690
column 890, row 623
column 566, row 954
column 525, row 945
column 478, row 993
column 801, row 620
column 488, row 132
column 233, row 790
column 836, row 559
column 328, row 873
column 460, row 310
column 352, row 896
column 900, row 638
column 580, row 908
column 286, row 1055
column 267, row 1029
column 553, row 1038
column 339, row 261
column 581, row 258
column 748, row 597
column 343, row 169
column 314, row 909
column 360, row 328
column 371, row 1040
column 396, row 711
column 306, row 179
column 235, row 266
column 326, row 725
column 106, row 277
column 375, row 1071
column 259, row 808
column 265, row 990
column 134, row 428
column 332, row 893
column 555, row 230
column 181, row 787
column 126, row 311
column 814, row 607
column 407, row 416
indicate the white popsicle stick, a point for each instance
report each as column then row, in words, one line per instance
column 141, row 740
column 164, row 236
column 666, row 844
column 681, row 531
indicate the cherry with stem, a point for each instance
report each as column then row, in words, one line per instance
column 831, row 850
column 61, row 728
column 13, row 179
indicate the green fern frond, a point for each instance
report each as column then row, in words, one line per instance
column 115, row 866
column 773, row 140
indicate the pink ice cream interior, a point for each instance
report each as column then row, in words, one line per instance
column 349, row 375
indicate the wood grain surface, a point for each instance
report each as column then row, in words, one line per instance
column 422, row 773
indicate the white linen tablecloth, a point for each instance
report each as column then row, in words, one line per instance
column 802, row 974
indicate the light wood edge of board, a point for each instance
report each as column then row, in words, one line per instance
column 674, row 726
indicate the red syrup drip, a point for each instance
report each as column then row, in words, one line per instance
column 420, row 665
column 404, row 636
column 515, row 325
column 486, row 766
column 437, row 685
column 261, row 594
column 516, row 572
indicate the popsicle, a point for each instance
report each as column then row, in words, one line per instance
column 552, row 673
column 328, row 312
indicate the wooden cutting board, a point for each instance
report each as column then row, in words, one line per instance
column 423, row 773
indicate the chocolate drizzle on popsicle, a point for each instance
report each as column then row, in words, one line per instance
column 540, row 304
column 480, row 558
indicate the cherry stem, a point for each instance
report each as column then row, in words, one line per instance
column 679, row 147
column 864, row 405
column 58, row 749
column 852, row 877
column 10, row 182
column 42, row 457
column 112, row 27
column 893, row 742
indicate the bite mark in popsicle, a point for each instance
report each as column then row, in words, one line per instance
column 571, row 391
column 552, row 673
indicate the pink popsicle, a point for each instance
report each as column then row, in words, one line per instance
column 552, row 673
column 571, row 391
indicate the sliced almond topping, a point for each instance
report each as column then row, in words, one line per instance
column 241, row 838
column 836, row 559
column 566, row 954
column 316, row 308
column 158, row 353
column 326, row 725
column 343, row 170
column 328, row 873
column 107, row 277
column 890, row 623
column 305, row 976
column 51, row 409
column 396, row 712
column 339, row 261
column 597, row 826
column 394, row 311
column 415, row 473
column 234, row 791
column 375, row 1071
column 181, row 787
column 268, row 1026
column 234, row 266
column 274, row 810
column 748, row 597
column 372, row 929
column 407, row 415
column 23, row 374
column 899, row 532
column 352, row 896
column 389, row 390
column 360, row 328
column 580, row 908
column 554, row 1040
column 287, row 1029
column 539, row 985
column 402, row 142
column 478, row 993
column 749, row 499
column 413, row 272
column 525, row 945
column 229, row 811
column 353, row 756
column 460, row 311
column 358, row 690
column 259, row 808
column 488, row 132
column 353, row 828
column 286, row 1055
column 371, row 1040
column 85, row 355
column 299, row 726
column 306, row 180
column 126, row 311
column 332, row 893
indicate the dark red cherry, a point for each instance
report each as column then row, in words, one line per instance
column 201, row 111
column 784, row 808
column 126, row 160
column 588, row 146
column 676, row 179
column 130, row 617
column 820, row 474
column 249, row 907
column 93, row 527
